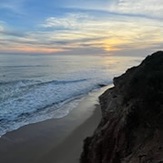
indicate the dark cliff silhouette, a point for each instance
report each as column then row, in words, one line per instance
column 131, row 129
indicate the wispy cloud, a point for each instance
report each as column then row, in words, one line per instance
column 110, row 26
column 149, row 8
column 14, row 6
column 70, row 21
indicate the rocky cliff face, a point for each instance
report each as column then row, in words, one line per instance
column 131, row 129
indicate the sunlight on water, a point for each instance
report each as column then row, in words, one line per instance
column 36, row 87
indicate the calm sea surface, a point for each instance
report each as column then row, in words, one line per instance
column 34, row 88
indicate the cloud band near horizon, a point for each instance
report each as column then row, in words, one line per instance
column 110, row 27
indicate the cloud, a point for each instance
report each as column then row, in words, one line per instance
column 14, row 6
column 148, row 8
column 70, row 21
column 9, row 36
column 77, row 31
column 11, row 33
column 1, row 28
column 106, row 26
column 140, row 8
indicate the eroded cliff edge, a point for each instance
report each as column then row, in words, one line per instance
column 131, row 129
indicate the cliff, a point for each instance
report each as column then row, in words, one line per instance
column 131, row 129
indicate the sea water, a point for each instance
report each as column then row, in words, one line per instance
column 34, row 88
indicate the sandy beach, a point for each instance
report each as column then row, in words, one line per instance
column 55, row 140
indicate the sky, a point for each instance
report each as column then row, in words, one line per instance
column 113, row 27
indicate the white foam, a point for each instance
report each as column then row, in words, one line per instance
column 32, row 93
column 37, row 102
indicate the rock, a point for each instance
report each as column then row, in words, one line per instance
column 131, row 128
column 102, row 85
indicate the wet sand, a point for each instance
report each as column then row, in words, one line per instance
column 55, row 140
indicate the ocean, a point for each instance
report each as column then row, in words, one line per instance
column 35, row 88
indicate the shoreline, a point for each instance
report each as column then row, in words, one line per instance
column 69, row 150
column 38, row 142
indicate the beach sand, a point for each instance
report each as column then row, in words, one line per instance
column 55, row 140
